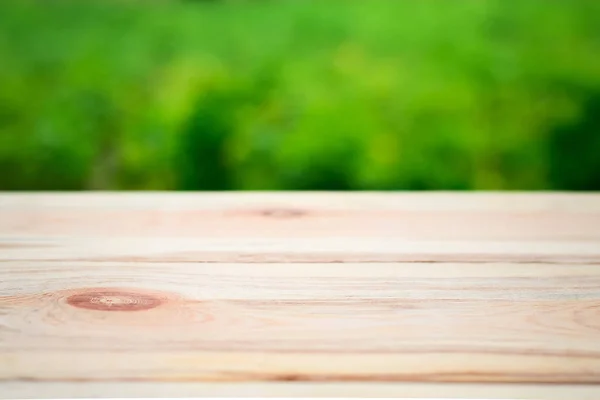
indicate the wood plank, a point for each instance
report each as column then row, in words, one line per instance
column 316, row 322
column 270, row 227
column 240, row 216
column 290, row 250
column 364, row 201
column 44, row 390
column 384, row 294
column 39, row 390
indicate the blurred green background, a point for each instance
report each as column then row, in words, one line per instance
column 300, row 94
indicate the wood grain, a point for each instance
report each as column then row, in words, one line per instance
column 58, row 390
column 308, row 227
column 374, row 289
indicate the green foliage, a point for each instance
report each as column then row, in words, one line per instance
column 283, row 94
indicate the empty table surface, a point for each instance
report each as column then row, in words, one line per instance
column 480, row 295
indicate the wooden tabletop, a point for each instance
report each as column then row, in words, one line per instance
column 300, row 294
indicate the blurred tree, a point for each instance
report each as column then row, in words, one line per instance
column 338, row 95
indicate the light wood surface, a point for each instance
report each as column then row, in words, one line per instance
column 345, row 294
column 81, row 390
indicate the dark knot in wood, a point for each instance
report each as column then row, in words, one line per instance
column 114, row 300
column 283, row 213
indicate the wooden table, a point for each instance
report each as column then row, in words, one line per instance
column 300, row 294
